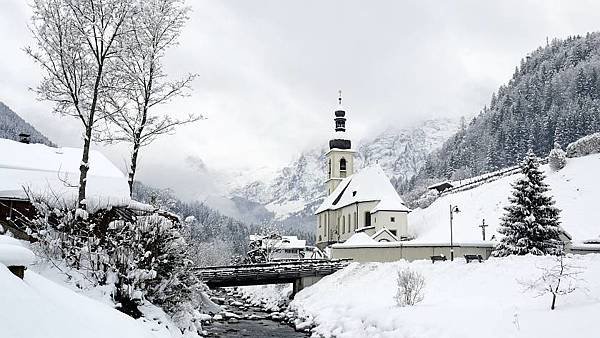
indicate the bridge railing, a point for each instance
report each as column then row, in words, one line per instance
column 274, row 263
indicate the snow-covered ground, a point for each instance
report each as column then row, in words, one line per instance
column 461, row 300
column 53, row 301
column 575, row 189
column 37, row 307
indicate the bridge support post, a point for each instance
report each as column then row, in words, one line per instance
column 303, row 282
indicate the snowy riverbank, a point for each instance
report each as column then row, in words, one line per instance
column 461, row 300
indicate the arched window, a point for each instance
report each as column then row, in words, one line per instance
column 349, row 222
column 329, row 172
column 343, row 164
column 343, row 224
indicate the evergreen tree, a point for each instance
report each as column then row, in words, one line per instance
column 531, row 222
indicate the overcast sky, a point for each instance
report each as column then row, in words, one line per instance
column 269, row 72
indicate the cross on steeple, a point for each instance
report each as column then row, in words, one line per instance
column 340, row 97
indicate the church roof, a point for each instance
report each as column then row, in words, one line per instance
column 368, row 185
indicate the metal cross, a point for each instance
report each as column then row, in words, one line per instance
column 483, row 226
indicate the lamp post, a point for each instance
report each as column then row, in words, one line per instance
column 453, row 209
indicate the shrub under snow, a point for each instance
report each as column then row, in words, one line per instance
column 410, row 287
column 142, row 259
column 557, row 158
column 584, row 146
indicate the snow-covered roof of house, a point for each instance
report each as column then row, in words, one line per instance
column 54, row 172
column 359, row 239
column 367, row 185
column 286, row 242
column 383, row 233
column 441, row 185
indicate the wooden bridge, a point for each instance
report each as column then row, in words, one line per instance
column 301, row 273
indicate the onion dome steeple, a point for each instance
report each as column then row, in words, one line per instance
column 339, row 141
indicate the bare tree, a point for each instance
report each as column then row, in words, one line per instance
column 155, row 27
column 562, row 278
column 76, row 44
column 410, row 287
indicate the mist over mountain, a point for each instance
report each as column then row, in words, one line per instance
column 553, row 96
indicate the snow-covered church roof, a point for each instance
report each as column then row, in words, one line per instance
column 368, row 185
column 49, row 171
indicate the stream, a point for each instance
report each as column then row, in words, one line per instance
column 240, row 319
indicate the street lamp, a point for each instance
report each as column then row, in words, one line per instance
column 453, row 209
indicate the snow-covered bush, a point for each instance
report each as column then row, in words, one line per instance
column 410, row 287
column 557, row 158
column 584, row 146
column 143, row 259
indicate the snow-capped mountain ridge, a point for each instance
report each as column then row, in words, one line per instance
column 401, row 152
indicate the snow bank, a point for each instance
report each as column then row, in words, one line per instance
column 12, row 253
column 36, row 307
column 461, row 300
column 575, row 189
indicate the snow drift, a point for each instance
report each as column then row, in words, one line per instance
column 461, row 300
column 36, row 307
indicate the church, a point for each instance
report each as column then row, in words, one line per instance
column 363, row 201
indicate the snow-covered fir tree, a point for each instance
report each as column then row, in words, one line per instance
column 531, row 222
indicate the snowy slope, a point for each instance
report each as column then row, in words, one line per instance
column 36, row 307
column 575, row 188
column 298, row 188
column 461, row 301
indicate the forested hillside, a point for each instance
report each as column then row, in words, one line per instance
column 11, row 125
column 553, row 96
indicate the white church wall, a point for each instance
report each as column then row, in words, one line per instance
column 399, row 224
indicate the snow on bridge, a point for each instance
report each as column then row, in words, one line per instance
column 301, row 273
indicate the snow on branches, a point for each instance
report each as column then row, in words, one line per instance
column 531, row 223
column 142, row 259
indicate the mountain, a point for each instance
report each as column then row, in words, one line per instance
column 297, row 190
column 553, row 96
column 11, row 125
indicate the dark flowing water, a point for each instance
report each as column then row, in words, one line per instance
column 261, row 326
column 252, row 328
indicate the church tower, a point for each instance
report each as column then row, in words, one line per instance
column 340, row 157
